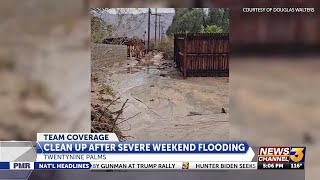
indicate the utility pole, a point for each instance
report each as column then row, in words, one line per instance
column 159, row 27
column 162, row 32
column 155, row 25
column 155, row 28
column 149, row 13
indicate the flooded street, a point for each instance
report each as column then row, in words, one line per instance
column 168, row 108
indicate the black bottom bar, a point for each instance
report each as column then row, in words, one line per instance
column 285, row 165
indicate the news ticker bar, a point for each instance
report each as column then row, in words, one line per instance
column 147, row 165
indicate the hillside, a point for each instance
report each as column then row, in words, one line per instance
column 136, row 24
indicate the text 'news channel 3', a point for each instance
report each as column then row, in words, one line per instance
column 281, row 157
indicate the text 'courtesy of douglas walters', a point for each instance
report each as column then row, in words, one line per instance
column 278, row 10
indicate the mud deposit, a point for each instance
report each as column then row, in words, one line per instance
column 169, row 107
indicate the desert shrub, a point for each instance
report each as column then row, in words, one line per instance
column 152, row 45
column 212, row 29
column 167, row 47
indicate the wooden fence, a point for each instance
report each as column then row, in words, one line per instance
column 202, row 54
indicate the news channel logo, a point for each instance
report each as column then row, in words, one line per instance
column 297, row 154
column 185, row 165
column 281, row 154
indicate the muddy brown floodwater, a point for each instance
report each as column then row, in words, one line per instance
column 169, row 107
column 276, row 101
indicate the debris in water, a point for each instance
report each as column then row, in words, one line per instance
column 129, row 69
column 94, row 78
column 194, row 114
column 307, row 138
column 106, row 98
column 105, row 121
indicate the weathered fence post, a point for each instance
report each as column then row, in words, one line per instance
column 185, row 57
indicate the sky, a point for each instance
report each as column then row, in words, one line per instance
column 143, row 10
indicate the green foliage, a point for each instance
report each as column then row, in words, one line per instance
column 196, row 20
column 99, row 29
column 212, row 29
column 186, row 20
column 219, row 17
